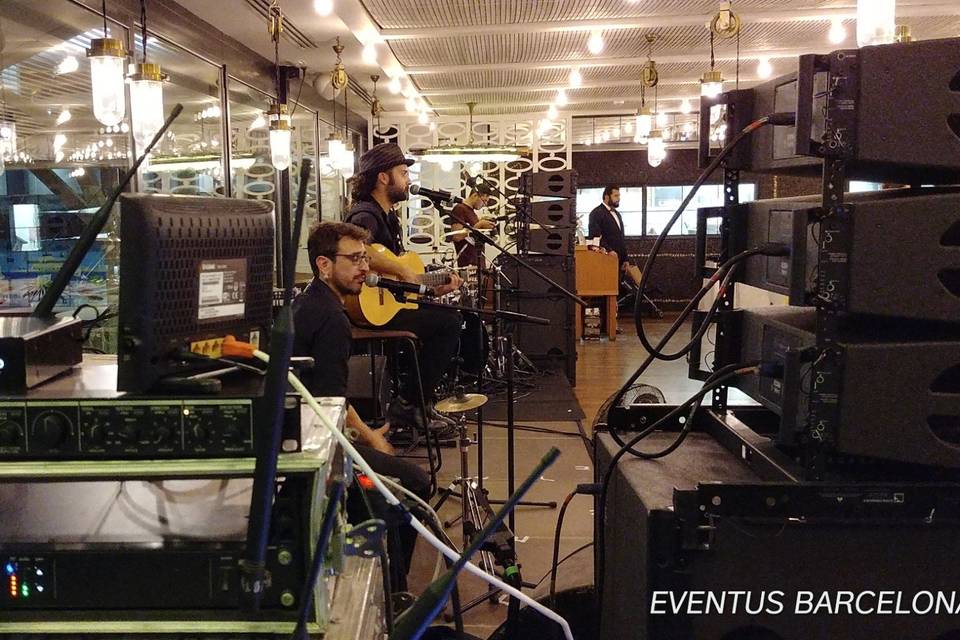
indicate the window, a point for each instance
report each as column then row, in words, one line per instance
column 631, row 208
column 661, row 204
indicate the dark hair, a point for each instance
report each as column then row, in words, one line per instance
column 325, row 236
column 607, row 190
column 361, row 186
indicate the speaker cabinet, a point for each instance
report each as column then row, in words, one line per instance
column 559, row 184
column 899, row 386
column 765, row 556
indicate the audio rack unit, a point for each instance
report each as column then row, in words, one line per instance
column 149, row 542
column 80, row 417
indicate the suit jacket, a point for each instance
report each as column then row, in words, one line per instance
column 603, row 226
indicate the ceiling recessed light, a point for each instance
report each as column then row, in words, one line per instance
column 595, row 43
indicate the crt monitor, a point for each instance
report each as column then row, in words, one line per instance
column 192, row 270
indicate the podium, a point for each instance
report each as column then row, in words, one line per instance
column 597, row 275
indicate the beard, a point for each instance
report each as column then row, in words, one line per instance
column 395, row 192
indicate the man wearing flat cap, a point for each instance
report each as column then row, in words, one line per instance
column 383, row 181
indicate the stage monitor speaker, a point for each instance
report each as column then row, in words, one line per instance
column 726, row 568
column 552, row 346
column 921, row 227
column 559, row 184
column 557, row 241
column 898, row 392
column 554, row 213
column 559, row 268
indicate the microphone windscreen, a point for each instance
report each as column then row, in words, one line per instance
column 372, row 279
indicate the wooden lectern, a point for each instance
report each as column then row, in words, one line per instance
column 598, row 275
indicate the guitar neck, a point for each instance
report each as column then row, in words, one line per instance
column 435, row 278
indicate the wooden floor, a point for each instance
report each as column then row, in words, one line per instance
column 601, row 368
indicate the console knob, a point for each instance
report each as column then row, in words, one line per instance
column 161, row 435
column 52, row 429
column 97, row 434
column 129, row 433
column 201, row 433
column 9, row 434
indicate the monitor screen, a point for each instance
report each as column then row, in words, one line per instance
column 192, row 270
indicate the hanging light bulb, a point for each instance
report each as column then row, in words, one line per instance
column 369, row 54
column 345, row 163
column 575, row 78
column 685, row 106
column 656, row 148
column 764, row 68
column 423, row 118
column 146, row 102
column 562, row 99
column 876, row 22
column 146, row 93
column 335, row 148
column 711, row 84
column 395, row 85
column 595, row 43
column 644, row 123
column 837, row 33
column 64, row 117
column 279, row 136
column 552, row 112
column 106, row 78
column 323, row 7
column 411, row 105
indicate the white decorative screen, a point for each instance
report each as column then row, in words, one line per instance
column 424, row 229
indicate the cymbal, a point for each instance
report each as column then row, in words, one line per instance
column 465, row 232
column 459, row 404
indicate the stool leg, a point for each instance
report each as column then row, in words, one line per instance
column 430, row 438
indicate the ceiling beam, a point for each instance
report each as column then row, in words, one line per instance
column 630, row 100
column 604, row 84
column 658, row 21
column 693, row 56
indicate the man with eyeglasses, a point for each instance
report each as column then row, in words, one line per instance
column 338, row 256
column 382, row 182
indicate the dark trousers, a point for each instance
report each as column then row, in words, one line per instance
column 401, row 537
column 439, row 334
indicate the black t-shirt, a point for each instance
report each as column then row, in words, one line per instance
column 322, row 331
column 384, row 227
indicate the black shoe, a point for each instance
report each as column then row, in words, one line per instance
column 403, row 413
column 435, row 416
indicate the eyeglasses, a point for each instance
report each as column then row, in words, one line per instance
column 355, row 258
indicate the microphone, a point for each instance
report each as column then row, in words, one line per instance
column 435, row 195
column 374, row 280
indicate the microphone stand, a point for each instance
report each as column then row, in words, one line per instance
column 254, row 578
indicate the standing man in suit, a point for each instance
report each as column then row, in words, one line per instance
column 606, row 224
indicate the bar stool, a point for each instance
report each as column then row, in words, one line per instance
column 362, row 335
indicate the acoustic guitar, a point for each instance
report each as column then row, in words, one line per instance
column 376, row 307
